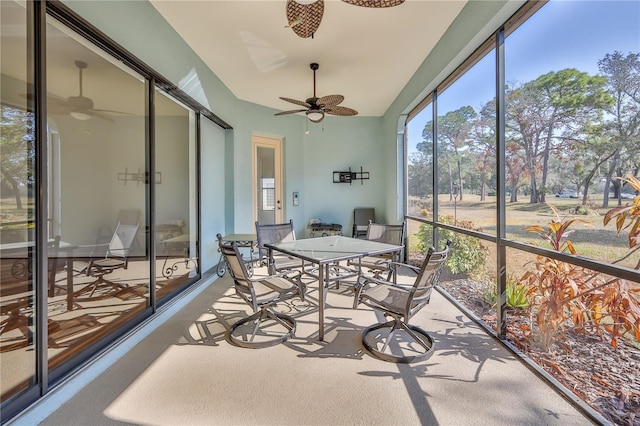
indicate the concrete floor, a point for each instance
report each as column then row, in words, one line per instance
column 180, row 370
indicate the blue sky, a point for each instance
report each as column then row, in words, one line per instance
column 562, row 34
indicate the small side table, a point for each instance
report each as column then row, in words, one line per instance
column 325, row 229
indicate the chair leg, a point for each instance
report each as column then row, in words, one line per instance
column 416, row 335
column 260, row 317
column 97, row 283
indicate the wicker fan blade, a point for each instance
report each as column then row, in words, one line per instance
column 294, row 101
column 340, row 110
column 330, row 100
column 293, row 111
column 304, row 19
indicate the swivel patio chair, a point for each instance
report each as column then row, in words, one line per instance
column 397, row 340
column 380, row 264
column 115, row 257
column 276, row 233
column 265, row 327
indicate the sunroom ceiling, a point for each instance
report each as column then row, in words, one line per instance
column 367, row 55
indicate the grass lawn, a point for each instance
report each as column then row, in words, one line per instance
column 591, row 238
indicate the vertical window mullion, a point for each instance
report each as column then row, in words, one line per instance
column 501, row 190
column 434, row 150
column 151, row 188
column 41, row 213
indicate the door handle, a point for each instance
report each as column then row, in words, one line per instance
column 278, row 205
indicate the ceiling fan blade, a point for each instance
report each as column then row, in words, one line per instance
column 330, row 100
column 294, row 101
column 290, row 112
column 340, row 110
column 55, row 104
column 110, row 111
column 97, row 114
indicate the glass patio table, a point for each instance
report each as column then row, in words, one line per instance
column 327, row 251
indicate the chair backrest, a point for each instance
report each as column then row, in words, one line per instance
column 53, row 247
column 428, row 276
column 237, row 267
column 273, row 233
column 122, row 240
column 390, row 234
column 361, row 219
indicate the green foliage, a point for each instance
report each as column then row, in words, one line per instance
column 516, row 294
column 467, row 255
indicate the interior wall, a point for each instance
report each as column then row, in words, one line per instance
column 212, row 173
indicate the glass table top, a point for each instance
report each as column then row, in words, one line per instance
column 332, row 248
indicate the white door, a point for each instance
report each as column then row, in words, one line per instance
column 267, row 180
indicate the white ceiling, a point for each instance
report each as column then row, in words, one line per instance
column 367, row 55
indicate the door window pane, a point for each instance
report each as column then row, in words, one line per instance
column 176, row 196
column 98, row 191
column 17, row 204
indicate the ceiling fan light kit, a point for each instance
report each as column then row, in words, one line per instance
column 80, row 115
column 315, row 116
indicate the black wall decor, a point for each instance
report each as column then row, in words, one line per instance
column 349, row 176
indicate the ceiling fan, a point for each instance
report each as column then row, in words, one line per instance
column 79, row 107
column 316, row 108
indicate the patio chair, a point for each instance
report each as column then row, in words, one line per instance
column 276, row 233
column 401, row 342
column 116, row 256
column 19, row 310
column 361, row 219
column 379, row 264
column 265, row 327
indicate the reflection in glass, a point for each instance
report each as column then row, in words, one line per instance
column 97, row 192
column 17, row 205
column 176, row 202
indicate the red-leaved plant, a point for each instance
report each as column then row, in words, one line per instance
column 561, row 294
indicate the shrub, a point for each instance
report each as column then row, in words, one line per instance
column 516, row 294
column 467, row 255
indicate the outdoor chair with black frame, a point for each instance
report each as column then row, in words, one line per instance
column 361, row 218
column 265, row 327
column 402, row 342
column 383, row 233
column 276, row 233
column 116, row 256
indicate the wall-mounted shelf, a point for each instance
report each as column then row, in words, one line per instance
column 349, row 176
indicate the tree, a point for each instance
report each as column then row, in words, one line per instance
column 453, row 139
column 17, row 145
column 543, row 113
column 420, row 165
column 622, row 75
column 483, row 146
